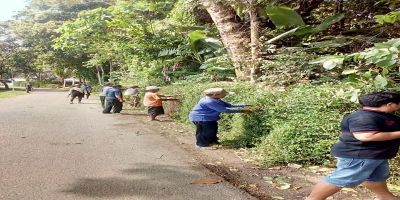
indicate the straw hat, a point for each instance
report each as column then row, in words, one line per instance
column 214, row 91
column 148, row 88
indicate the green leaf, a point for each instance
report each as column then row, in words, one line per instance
column 349, row 71
column 391, row 18
column 307, row 29
column 390, row 43
column 368, row 75
column 354, row 95
column 386, row 63
column 385, row 71
column 284, row 17
column 329, row 64
column 304, row 30
column 380, row 81
column 329, row 21
column 195, row 36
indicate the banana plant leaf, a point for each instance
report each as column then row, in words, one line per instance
column 284, row 17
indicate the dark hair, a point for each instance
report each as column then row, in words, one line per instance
column 378, row 99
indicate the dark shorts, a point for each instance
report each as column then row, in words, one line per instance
column 159, row 110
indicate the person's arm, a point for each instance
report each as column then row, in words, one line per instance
column 368, row 129
column 221, row 106
column 227, row 104
column 240, row 105
column 119, row 96
column 164, row 97
column 375, row 136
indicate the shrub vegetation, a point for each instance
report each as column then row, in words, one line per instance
column 296, row 124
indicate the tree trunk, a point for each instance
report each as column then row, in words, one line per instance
column 255, row 42
column 235, row 38
column 102, row 73
column 111, row 68
column 99, row 76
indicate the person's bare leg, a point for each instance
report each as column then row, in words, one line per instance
column 381, row 190
column 322, row 191
column 153, row 118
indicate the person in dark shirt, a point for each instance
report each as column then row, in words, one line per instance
column 28, row 88
column 369, row 137
column 207, row 112
column 76, row 91
column 114, row 100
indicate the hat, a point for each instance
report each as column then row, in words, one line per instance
column 148, row 88
column 213, row 91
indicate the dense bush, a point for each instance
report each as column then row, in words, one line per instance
column 297, row 124
column 305, row 123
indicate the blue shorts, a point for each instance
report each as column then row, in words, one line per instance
column 351, row 172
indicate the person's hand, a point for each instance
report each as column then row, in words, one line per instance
column 247, row 112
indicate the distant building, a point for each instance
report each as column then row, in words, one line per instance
column 70, row 81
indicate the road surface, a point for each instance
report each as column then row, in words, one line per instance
column 53, row 150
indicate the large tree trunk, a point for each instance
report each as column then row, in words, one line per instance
column 255, row 42
column 233, row 34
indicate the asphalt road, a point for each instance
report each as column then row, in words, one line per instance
column 53, row 150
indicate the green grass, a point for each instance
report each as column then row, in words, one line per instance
column 9, row 93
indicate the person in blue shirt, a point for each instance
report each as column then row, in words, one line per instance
column 114, row 100
column 87, row 89
column 207, row 112
column 103, row 95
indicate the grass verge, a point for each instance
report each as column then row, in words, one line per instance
column 9, row 93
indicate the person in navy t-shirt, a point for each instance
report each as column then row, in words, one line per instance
column 206, row 114
column 369, row 137
column 114, row 100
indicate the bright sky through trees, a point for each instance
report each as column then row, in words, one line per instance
column 9, row 8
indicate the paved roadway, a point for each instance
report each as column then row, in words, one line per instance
column 51, row 150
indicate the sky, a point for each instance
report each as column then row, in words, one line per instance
column 7, row 10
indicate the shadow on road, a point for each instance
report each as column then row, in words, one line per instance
column 145, row 180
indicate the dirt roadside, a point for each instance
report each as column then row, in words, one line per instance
column 290, row 182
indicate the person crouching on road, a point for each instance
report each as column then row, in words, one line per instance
column 207, row 112
column 103, row 92
column 76, row 91
column 153, row 101
column 114, row 100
